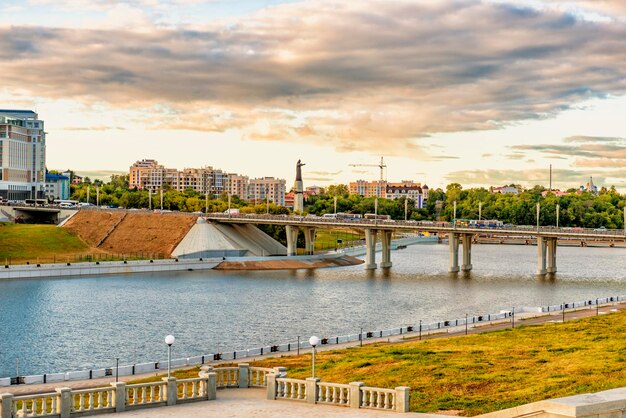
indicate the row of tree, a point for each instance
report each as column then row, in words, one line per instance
column 576, row 209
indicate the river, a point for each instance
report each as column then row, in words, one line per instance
column 54, row 325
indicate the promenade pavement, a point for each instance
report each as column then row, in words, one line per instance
column 251, row 403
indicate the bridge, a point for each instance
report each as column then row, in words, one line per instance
column 546, row 236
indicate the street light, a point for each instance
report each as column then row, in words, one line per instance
column 314, row 341
column 169, row 340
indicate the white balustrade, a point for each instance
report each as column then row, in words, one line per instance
column 258, row 376
column 333, row 393
column 293, row 389
column 145, row 393
column 227, row 377
column 191, row 388
column 92, row 399
column 378, row 398
column 35, row 405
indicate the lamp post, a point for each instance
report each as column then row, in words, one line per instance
column 267, row 198
column 480, row 209
column 314, row 341
column 169, row 340
column 538, row 213
column 335, row 202
column 465, row 324
column 454, row 215
column 557, row 215
column 117, row 369
column 406, row 208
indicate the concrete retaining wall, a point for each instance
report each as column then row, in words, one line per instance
column 99, row 268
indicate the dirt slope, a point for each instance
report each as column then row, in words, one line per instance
column 92, row 226
column 148, row 233
column 131, row 233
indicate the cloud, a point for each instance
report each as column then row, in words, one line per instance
column 569, row 177
column 94, row 128
column 372, row 76
column 325, row 173
column 590, row 151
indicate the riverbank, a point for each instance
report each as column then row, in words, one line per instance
column 467, row 375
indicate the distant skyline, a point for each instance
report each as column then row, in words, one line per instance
column 477, row 92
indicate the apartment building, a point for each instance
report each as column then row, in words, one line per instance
column 150, row 175
column 238, row 186
column 57, row 186
column 267, row 187
column 22, row 155
column 407, row 190
column 377, row 188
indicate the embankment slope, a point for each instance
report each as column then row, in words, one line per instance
column 131, row 233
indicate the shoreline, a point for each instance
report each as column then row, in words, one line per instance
column 479, row 324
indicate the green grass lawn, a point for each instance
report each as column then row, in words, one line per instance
column 480, row 373
column 22, row 242
column 327, row 239
column 484, row 372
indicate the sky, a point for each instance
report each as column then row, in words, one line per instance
column 483, row 93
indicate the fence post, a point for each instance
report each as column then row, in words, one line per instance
column 6, row 405
column 212, row 387
column 171, row 390
column 119, row 396
column 244, row 374
column 402, row 399
column 270, row 379
column 355, row 394
column 64, row 402
column 311, row 389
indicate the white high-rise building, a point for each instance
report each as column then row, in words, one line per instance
column 22, row 155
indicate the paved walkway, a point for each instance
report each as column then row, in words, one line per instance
column 251, row 403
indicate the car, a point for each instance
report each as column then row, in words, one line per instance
column 601, row 229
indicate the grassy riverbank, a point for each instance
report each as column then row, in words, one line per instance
column 21, row 242
column 480, row 373
column 486, row 372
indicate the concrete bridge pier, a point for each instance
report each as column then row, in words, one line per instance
column 466, row 240
column 386, row 239
column 292, row 239
column 309, row 240
column 453, row 239
column 370, row 248
column 541, row 256
column 551, row 255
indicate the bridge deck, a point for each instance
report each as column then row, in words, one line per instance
column 423, row 226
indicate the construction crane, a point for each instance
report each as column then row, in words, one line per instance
column 382, row 167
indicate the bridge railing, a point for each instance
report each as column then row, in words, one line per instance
column 435, row 226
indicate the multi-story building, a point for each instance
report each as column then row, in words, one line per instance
column 270, row 187
column 314, row 190
column 505, row 190
column 150, row 175
column 22, row 155
column 57, row 186
column 408, row 190
column 238, row 185
column 365, row 188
